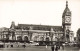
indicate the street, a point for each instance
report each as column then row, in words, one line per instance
column 38, row 48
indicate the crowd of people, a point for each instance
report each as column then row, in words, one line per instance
column 56, row 47
column 12, row 46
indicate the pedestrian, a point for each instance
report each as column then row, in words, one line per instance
column 52, row 48
column 58, row 46
column 56, row 49
column 63, row 46
column 17, row 45
column 12, row 46
column 24, row 46
column 46, row 46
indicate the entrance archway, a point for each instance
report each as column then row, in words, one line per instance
column 19, row 38
column 26, row 38
column 47, row 41
column 47, row 38
column 41, row 39
column 35, row 38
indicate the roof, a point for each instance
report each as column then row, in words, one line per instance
column 4, row 29
column 67, row 10
column 39, row 27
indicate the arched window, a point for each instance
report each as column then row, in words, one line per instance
column 67, row 35
column 41, row 39
column 47, row 38
column 19, row 38
column 25, row 38
column 35, row 38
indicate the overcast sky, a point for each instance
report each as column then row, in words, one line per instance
column 44, row 12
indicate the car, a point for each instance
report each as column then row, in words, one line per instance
column 34, row 43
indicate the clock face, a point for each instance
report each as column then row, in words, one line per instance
column 68, row 19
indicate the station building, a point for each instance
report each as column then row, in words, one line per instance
column 32, row 32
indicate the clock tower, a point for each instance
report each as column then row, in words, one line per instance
column 66, row 23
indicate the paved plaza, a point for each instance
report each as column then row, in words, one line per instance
column 38, row 48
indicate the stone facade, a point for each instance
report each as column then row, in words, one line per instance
column 4, row 33
column 78, row 37
column 31, row 32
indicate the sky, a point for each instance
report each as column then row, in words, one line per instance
column 40, row 12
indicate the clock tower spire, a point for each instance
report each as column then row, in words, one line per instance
column 66, row 3
column 66, row 17
column 66, row 22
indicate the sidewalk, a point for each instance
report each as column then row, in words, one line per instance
column 38, row 48
column 69, row 49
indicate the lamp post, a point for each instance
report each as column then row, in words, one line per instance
column 21, row 34
column 46, row 40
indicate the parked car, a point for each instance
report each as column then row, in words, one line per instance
column 34, row 43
